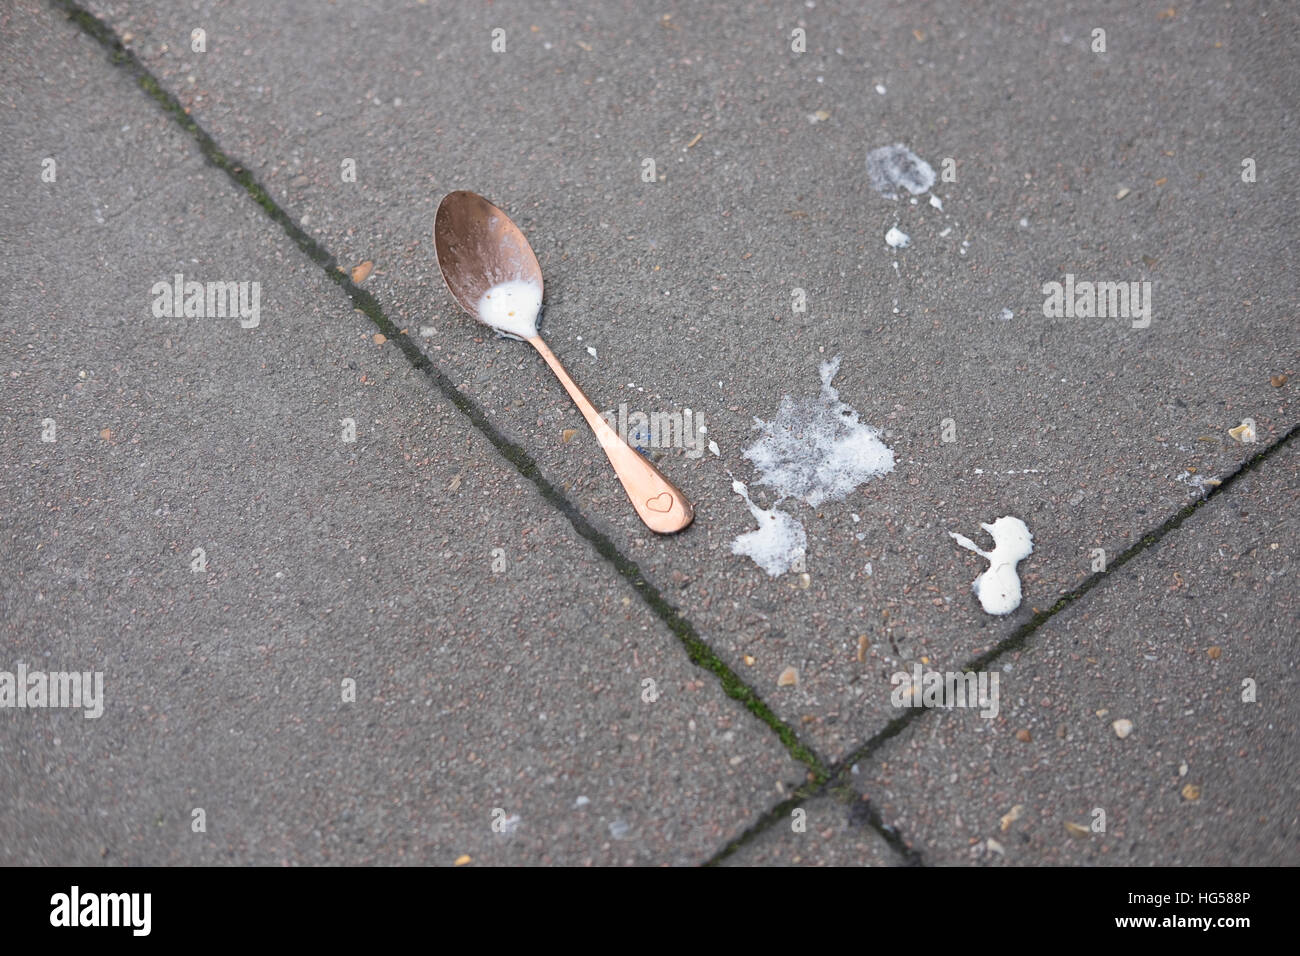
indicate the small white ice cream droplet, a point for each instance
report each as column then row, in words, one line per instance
column 511, row 308
column 880, row 88
column 998, row 588
column 936, row 202
column 591, row 351
column 1006, row 315
column 897, row 238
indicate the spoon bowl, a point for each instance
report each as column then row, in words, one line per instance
column 489, row 265
column 478, row 247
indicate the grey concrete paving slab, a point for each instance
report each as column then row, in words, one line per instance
column 500, row 664
column 1192, row 645
column 1117, row 166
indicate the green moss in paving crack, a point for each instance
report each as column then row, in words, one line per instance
column 699, row 652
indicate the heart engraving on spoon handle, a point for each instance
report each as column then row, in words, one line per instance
column 657, row 500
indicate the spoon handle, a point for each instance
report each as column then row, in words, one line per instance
column 661, row 506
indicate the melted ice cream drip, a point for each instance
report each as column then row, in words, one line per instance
column 998, row 588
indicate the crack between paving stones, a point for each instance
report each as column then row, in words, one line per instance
column 697, row 649
column 838, row 786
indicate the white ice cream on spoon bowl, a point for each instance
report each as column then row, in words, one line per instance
column 512, row 308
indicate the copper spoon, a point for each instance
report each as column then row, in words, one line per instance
column 478, row 247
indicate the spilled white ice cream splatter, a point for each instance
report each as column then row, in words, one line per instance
column 815, row 449
column 779, row 541
column 511, row 308
column 893, row 167
column 998, row 588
